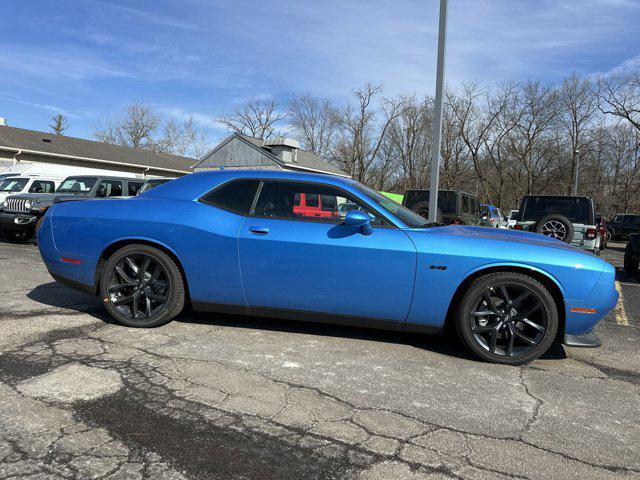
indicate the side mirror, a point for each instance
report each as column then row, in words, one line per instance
column 360, row 220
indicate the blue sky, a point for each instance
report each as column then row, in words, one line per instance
column 87, row 58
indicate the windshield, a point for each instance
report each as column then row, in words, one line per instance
column 151, row 184
column 578, row 210
column 77, row 185
column 412, row 219
column 13, row 185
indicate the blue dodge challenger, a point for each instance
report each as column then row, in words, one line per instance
column 322, row 248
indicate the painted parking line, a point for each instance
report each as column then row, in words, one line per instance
column 620, row 313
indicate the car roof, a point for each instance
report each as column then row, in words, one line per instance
column 556, row 196
column 108, row 177
column 194, row 185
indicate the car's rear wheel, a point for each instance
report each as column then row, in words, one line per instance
column 141, row 286
column 507, row 318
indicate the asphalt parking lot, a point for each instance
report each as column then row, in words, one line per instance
column 215, row 396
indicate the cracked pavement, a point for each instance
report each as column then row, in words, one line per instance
column 219, row 396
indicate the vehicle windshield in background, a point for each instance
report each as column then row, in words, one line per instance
column 446, row 201
column 151, row 184
column 575, row 209
column 77, row 185
column 13, row 185
column 409, row 217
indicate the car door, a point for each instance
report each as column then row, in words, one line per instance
column 296, row 261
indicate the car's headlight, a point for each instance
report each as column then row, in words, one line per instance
column 5, row 204
column 27, row 204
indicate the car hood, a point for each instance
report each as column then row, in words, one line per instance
column 502, row 235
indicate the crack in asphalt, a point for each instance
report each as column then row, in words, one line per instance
column 141, row 381
column 538, row 403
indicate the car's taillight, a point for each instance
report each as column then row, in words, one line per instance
column 456, row 221
column 517, row 227
column 591, row 233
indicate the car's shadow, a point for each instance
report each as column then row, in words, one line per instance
column 56, row 295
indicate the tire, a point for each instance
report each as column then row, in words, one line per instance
column 555, row 226
column 610, row 234
column 16, row 237
column 124, row 290
column 477, row 331
column 630, row 264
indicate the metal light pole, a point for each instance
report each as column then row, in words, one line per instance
column 574, row 192
column 437, row 116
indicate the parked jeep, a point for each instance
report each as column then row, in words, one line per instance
column 632, row 255
column 20, row 213
column 566, row 218
column 453, row 207
column 624, row 224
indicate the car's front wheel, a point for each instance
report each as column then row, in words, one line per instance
column 141, row 286
column 507, row 318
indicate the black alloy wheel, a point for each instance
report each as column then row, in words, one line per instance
column 141, row 286
column 507, row 318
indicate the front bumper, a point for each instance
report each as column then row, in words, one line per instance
column 588, row 340
column 18, row 222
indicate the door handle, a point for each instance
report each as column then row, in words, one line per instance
column 259, row 230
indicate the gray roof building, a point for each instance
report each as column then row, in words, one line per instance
column 244, row 152
column 30, row 145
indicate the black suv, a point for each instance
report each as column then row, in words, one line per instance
column 453, row 206
column 20, row 213
column 623, row 224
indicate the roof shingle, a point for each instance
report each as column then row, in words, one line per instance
column 23, row 139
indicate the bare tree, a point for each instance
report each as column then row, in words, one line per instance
column 59, row 123
column 182, row 138
column 141, row 126
column 409, row 136
column 361, row 135
column 619, row 95
column 258, row 118
column 314, row 122
column 135, row 127
column 578, row 107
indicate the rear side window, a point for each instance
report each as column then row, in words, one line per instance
column 134, row 188
column 236, row 196
column 109, row 188
column 42, row 186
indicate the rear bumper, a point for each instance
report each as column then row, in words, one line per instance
column 18, row 222
column 587, row 340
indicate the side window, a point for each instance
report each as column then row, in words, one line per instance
column 42, row 186
column 277, row 200
column 236, row 196
column 311, row 200
column 475, row 206
column 109, row 188
column 133, row 188
column 466, row 204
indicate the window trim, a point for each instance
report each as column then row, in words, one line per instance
column 262, row 180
